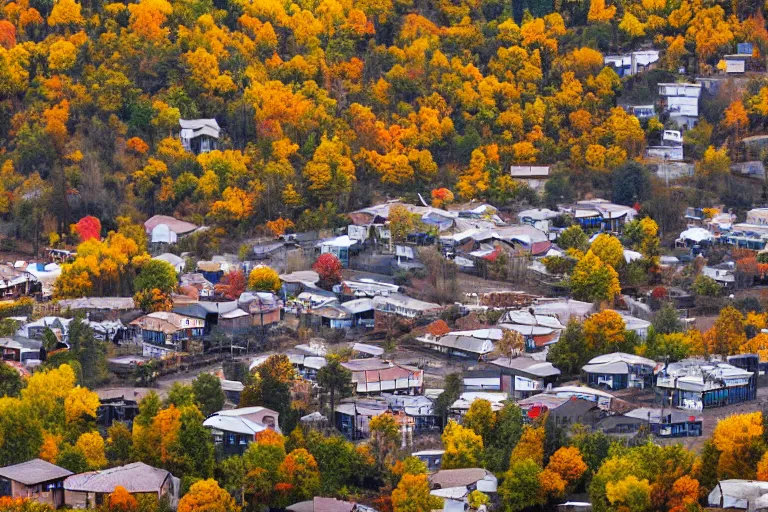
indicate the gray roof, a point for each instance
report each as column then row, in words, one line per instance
column 446, row 478
column 98, row 303
column 527, row 365
column 319, row 504
column 136, row 477
column 33, row 472
column 463, row 343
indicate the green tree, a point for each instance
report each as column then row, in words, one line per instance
column 452, row 386
column 335, row 380
column 505, row 434
column 73, row 459
column 119, row 444
column 666, row 320
column 180, row 395
column 569, row 353
column 156, row 275
column 192, row 452
column 573, row 237
column 10, row 381
column 631, row 184
column 520, row 488
column 209, row 396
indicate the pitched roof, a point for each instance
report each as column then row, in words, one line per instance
column 33, row 472
column 136, row 477
column 234, row 424
column 318, row 504
column 98, row 303
column 165, row 321
column 175, row 225
column 446, row 478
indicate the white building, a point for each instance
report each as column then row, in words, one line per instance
column 681, row 102
column 199, row 135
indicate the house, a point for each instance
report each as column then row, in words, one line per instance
column 417, row 408
column 213, row 270
column 635, row 325
column 365, row 351
column 102, row 308
column 696, row 384
column 374, row 375
column 599, row 214
column 232, row 434
column 603, row 399
column 539, row 218
column 22, row 350
column 745, row 235
column 364, row 288
column 477, row 343
column 666, row 423
column 737, row 63
column 163, row 332
column 402, row 307
column 196, row 280
column 432, row 458
column 35, row 479
column 538, row 331
column 264, row 309
column 333, row 316
column 562, row 309
column 199, row 135
column 618, row 371
column 535, row 176
column 307, row 366
column 461, row 405
column 632, row 63
column 681, row 102
column 723, row 273
column 454, row 486
column 234, row 429
column 235, row 322
column 118, row 405
column 740, row 495
column 207, row 311
column 522, row 377
column 481, row 380
column 177, row 262
column 163, row 229
column 90, row 489
column 36, row 330
column 341, row 247
column 16, row 282
column 671, row 147
column 318, row 504
column 564, row 411
column 641, row 111
column 352, row 417
column 361, row 311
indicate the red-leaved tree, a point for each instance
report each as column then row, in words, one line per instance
column 88, row 227
column 328, row 267
column 232, row 284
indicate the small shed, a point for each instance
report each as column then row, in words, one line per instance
column 234, row 322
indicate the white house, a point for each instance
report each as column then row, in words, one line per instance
column 681, row 102
column 199, row 135
column 167, row 230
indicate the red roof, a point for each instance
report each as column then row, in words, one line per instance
column 538, row 248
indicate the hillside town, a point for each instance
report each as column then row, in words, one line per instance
column 377, row 256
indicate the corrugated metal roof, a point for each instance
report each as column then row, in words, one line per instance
column 135, row 478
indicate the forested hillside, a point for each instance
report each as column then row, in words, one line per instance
column 332, row 102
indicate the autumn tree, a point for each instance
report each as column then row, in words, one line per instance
column 412, row 495
column 593, row 280
column 329, row 268
column 209, row 396
column 463, row 447
column 481, row 419
column 264, row 279
column 207, row 495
